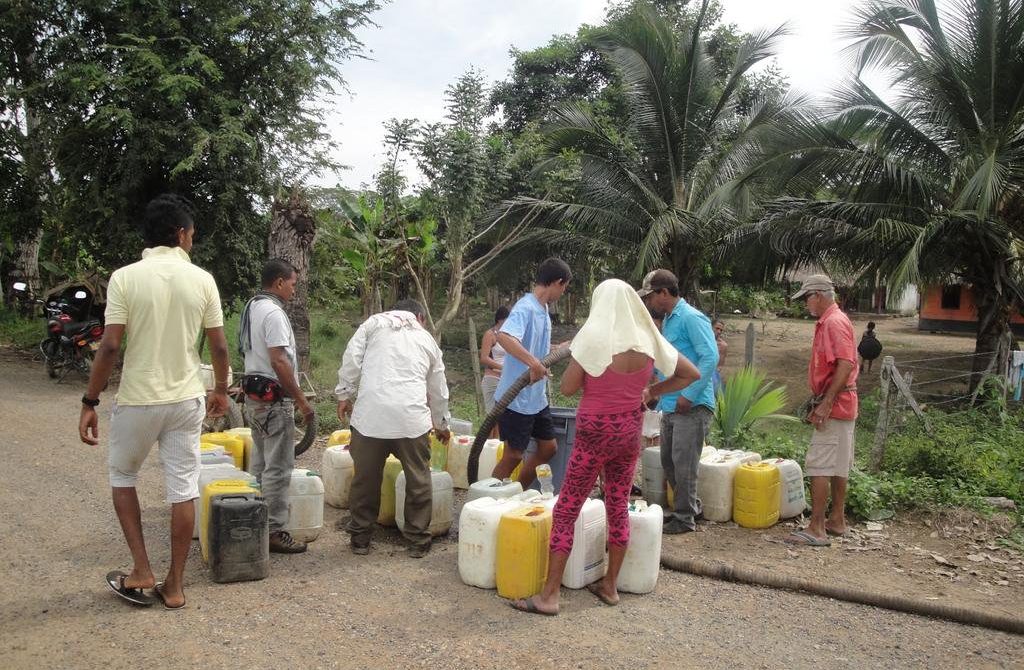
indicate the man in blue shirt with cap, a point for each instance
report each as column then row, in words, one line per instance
column 687, row 414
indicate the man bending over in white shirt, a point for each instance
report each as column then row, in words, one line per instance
column 392, row 368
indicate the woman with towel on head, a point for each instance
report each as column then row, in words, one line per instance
column 613, row 356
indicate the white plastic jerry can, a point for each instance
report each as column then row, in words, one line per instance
column 639, row 573
column 493, row 488
column 442, row 502
column 586, row 562
column 478, row 539
column 337, row 470
column 305, row 505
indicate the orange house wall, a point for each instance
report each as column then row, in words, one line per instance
column 931, row 307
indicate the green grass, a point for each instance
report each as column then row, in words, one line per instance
column 20, row 332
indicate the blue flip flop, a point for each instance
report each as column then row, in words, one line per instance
column 529, row 606
column 805, row 539
column 115, row 580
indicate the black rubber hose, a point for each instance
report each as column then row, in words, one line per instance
column 307, row 439
column 473, row 465
column 758, row 577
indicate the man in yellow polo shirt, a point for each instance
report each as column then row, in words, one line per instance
column 159, row 304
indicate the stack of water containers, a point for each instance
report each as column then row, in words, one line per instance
column 736, row 485
column 215, row 465
column 234, row 446
column 504, row 536
column 715, row 481
column 246, row 435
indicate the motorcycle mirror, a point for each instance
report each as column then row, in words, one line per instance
column 80, row 295
column 19, row 286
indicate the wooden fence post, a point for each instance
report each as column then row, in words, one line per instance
column 474, row 353
column 882, row 426
column 748, row 358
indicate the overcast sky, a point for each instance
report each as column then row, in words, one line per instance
column 423, row 45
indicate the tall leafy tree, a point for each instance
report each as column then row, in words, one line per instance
column 465, row 170
column 927, row 186
column 660, row 196
column 219, row 100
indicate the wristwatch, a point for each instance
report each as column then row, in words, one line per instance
column 90, row 403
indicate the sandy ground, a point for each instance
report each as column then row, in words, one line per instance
column 330, row 609
column 782, row 348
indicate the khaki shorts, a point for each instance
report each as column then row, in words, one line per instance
column 831, row 452
column 175, row 427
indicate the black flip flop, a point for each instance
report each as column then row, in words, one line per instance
column 160, row 596
column 530, row 607
column 115, row 580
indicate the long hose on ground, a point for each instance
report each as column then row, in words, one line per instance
column 758, row 577
column 473, row 464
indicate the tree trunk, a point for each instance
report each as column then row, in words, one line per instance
column 292, row 234
column 24, row 266
column 455, row 287
column 24, row 263
column 993, row 337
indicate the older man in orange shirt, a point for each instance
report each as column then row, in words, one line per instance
column 832, row 375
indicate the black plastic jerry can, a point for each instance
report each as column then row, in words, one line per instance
column 239, row 538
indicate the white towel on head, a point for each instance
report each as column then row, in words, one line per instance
column 619, row 322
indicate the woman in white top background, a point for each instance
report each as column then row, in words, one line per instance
column 492, row 357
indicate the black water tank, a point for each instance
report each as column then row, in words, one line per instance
column 239, row 537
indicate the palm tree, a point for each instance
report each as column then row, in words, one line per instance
column 930, row 186
column 655, row 195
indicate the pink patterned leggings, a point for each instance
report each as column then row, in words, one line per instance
column 609, row 442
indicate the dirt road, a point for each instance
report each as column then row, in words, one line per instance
column 330, row 609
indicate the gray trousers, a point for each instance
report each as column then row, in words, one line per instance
column 368, row 457
column 273, row 455
column 682, row 438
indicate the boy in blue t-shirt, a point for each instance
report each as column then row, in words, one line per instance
column 526, row 338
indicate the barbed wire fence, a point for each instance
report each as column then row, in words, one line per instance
column 951, row 383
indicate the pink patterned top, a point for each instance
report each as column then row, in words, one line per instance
column 614, row 392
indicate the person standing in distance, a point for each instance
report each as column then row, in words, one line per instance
column 526, row 338
column 271, row 385
column 160, row 304
column 832, row 376
column 686, row 414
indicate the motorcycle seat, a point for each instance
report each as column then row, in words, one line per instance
column 75, row 327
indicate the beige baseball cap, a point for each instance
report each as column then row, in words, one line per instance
column 814, row 283
column 657, row 280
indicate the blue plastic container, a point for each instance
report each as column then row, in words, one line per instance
column 564, row 419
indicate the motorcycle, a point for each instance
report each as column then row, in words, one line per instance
column 69, row 344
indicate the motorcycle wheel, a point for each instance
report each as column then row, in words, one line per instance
column 234, row 417
column 51, row 352
column 85, row 364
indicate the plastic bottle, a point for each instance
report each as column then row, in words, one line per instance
column 547, row 488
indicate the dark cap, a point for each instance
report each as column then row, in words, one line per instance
column 657, row 280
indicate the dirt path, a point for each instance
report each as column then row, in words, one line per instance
column 329, row 609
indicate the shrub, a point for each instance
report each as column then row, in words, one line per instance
column 19, row 331
column 746, row 399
